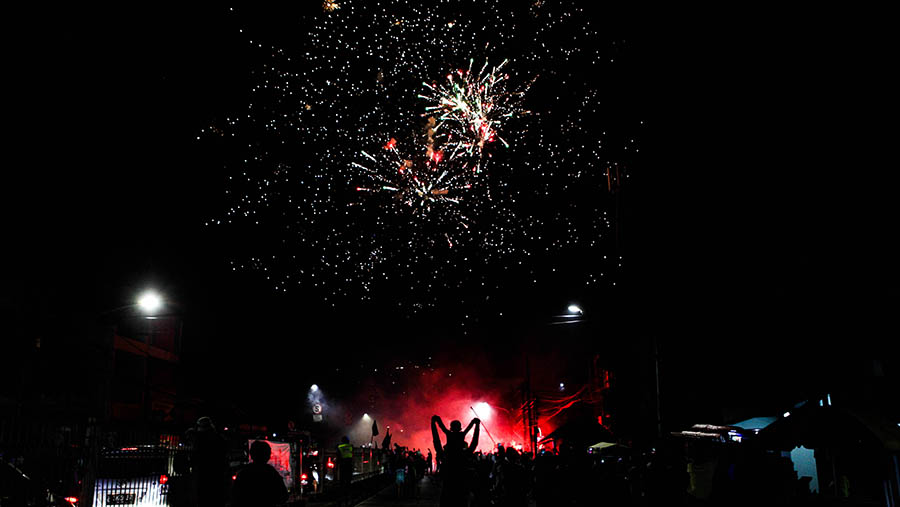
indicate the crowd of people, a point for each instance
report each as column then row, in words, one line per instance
column 622, row 476
column 407, row 467
column 506, row 477
column 510, row 478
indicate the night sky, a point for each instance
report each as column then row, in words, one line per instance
column 732, row 252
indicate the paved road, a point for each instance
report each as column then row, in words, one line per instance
column 429, row 495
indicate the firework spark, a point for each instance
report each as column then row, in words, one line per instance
column 439, row 212
column 421, row 181
column 474, row 105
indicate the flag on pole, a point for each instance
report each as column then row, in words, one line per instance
column 374, row 428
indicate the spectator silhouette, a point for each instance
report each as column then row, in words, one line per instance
column 208, row 463
column 259, row 484
column 345, row 467
column 515, row 481
column 386, row 441
column 455, row 457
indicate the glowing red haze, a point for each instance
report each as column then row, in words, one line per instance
column 451, row 394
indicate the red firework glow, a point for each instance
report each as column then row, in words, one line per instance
column 451, row 394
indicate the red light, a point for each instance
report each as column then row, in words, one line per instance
column 303, row 477
column 314, row 453
column 390, row 144
column 71, row 499
column 128, row 449
column 330, row 463
column 234, row 477
column 163, row 479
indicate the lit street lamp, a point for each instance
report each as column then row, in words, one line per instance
column 150, row 302
column 574, row 314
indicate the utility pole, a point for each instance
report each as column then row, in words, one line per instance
column 526, row 387
column 658, row 405
column 529, row 410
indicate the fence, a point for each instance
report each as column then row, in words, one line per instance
column 41, row 460
column 44, row 461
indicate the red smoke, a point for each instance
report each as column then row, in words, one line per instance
column 405, row 399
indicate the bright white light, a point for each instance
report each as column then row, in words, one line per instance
column 787, row 414
column 484, row 410
column 150, row 302
column 575, row 309
column 366, row 416
column 313, row 388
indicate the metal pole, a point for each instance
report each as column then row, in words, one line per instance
column 483, row 426
column 656, row 365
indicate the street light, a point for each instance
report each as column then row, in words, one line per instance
column 149, row 302
column 574, row 314
column 482, row 411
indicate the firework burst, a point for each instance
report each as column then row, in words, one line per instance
column 472, row 106
column 319, row 199
column 420, row 182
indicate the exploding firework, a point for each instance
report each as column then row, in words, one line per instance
column 472, row 106
column 421, row 182
column 439, row 213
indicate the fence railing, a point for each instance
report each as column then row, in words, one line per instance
column 98, row 466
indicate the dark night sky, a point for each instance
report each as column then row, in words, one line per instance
column 735, row 259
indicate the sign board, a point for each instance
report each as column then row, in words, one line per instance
column 280, row 460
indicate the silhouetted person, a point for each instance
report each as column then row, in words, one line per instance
column 429, row 463
column 208, row 463
column 454, row 457
column 386, row 441
column 259, row 484
column 515, row 483
column 345, row 466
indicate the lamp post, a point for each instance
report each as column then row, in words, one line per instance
column 148, row 305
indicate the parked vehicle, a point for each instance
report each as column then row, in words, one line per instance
column 135, row 476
